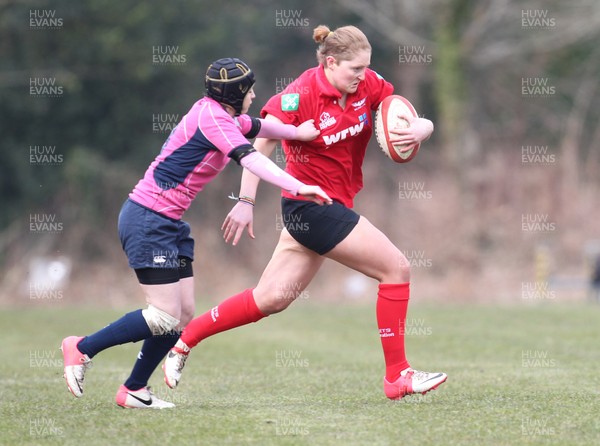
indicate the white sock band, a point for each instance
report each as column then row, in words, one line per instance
column 159, row 321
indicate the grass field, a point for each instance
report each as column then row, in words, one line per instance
column 312, row 376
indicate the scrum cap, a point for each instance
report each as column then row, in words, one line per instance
column 228, row 81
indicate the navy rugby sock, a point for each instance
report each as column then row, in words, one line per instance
column 130, row 328
column 150, row 356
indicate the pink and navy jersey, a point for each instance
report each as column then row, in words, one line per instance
column 334, row 159
column 194, row 153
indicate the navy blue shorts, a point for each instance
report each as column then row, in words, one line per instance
column 319, row 228
column 151, row 240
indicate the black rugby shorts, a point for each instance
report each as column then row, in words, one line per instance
column 319, row 228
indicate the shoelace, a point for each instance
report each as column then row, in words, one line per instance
column 80, row 372
column 181, row 358
column 419, row 375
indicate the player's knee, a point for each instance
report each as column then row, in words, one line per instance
column 403, row 269
column 273, row 306
column 159, row 322
column 398, row 271
column 187, row 314
column 274, row 301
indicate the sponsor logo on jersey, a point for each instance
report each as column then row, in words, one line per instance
column 359, row 104
column 290, row 102
column 326, row 120
column 343, row 134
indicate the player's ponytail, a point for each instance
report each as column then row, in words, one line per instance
column 343, row 43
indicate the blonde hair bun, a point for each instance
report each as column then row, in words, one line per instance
column 320, row 33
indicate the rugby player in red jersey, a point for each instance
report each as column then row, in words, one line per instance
column 340, row 94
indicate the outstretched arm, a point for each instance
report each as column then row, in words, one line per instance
column 255, row 164
column 273, row 128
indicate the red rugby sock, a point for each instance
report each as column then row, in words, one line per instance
column 234, row 312
column 392, row 305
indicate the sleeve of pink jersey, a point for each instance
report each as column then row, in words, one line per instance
column 245, row 122
column 378, row 87
column 220, row 129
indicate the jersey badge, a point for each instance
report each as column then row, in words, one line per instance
column 359, row 104
column 326, row 120
column 290, row 102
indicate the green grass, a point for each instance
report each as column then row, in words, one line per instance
column 517, row 376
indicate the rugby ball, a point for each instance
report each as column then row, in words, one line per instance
column 386, row 118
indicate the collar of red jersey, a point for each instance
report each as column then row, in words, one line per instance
column 325, row 87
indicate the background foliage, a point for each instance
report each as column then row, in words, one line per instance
column 477, row 187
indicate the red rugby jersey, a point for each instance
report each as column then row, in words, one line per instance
column 334, row 159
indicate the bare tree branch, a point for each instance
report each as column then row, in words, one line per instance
column 384, row 21
column 568, row 29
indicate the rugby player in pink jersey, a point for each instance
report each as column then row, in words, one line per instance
column 340, row 94
column 158, row 243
